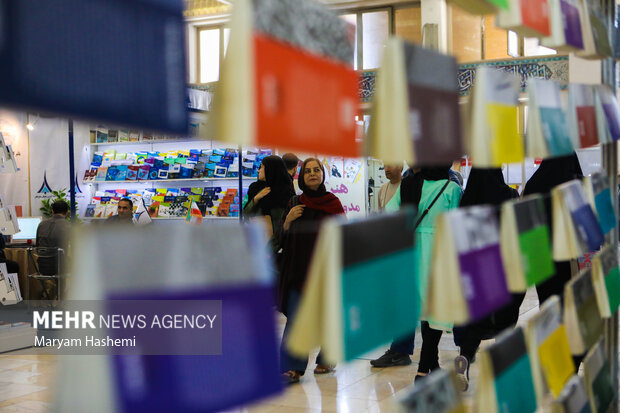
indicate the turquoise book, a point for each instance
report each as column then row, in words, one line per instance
column 379, row 286
column 511, row 366
column 555, row 130
column 603, row 202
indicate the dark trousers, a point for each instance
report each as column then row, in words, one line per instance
column 429, row 355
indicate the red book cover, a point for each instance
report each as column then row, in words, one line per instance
column 586, row 125
column 304, row 102
column 535, row 15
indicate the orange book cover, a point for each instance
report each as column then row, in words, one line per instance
column 586, row 122
column 304, row 102
column 535, row 15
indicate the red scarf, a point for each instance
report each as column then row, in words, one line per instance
column 328, row 203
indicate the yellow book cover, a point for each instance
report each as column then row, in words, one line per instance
column 556, row 360
column 158, row 198
column 506, row 142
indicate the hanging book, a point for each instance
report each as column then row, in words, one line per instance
column 188, row 383
column 503, row 365
column 565, row 18
column 437, row 393
column 599, row 380
column 481, row 6
column 361, row 290
column 8, row 220
column 584, row 325
column 528, row 18
column 287, row 82
column 547, row 132
column 603, row 202
column 552, row 363
column 582, row 115
column 608, row 114
column 575, row 227
column 606, row 278
column 595, row 38
column 429, row 123
column 573, row 399
column 525, row 243
column 494, row 138
column 467, row 280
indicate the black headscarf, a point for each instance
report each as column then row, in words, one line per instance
column 487, row 186
column 411, row 186
column 553, row 172
column 276, row 178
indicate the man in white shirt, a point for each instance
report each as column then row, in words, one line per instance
column 388, row 189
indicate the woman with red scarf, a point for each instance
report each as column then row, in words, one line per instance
column 298, row 235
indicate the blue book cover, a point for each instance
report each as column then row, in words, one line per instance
column 220, row 152
column 588, row 227
column 122, row 172
column 153, row 174
column 98, row 157
column 112, row 173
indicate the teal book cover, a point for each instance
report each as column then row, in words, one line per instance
column 511, row 365
column 605, row 210
column 379, row 286
column 556, row 133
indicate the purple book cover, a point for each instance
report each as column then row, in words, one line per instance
column 484, row 281
column 246, row 371
column 612, row 120
column 572, row 24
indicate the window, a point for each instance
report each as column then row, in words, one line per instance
column 212, row 45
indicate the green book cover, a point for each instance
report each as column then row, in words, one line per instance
column 511, row 364
column 380, row 298
column 612, row 284
column 603, row 390
column 502, row 4
column 588, row 315
column 536, row 255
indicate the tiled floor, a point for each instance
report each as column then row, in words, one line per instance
column 354, row 387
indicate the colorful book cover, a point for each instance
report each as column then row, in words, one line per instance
column 611, row 110
column 143, row 172
column 90, row 211
column 552, row 347
column 603, row 202
column 598, row 379
column 154, row 209
column 434, row 116
column 132, row 172
column 112, row 135
column 589, row 319
column 122, row 172
column 572, row 23
column 582, row 102
column 111, row 209
column 123, row 135
column 165, row 210
column 611, row 272
column 290, row 97
column 534, row 240
column 102, row 134
column 476, row 237
column 134, row 135
column 389, row 251
column 112, row 173
column 102, row 172
column 535, row 15
column 437, row 394
column 588, row 230
column 511, row 364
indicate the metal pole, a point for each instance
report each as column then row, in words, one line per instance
column 71, row 171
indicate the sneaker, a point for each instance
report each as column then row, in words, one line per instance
column 391, row 358
column 461, row 366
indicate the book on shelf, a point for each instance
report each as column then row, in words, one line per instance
column 550, row 354
column 598, row 379
column 9, row 225
column 101, row 134
column 576, row 229
column 503, row 364
column 9, row 287
column 525, row 243
column 528, row 18
column 371, row 309
column 595, row 33
column 565, row 17
column 582, row 317
column 494, row 138
column 573, row 399
column 547, row 132
column 437, row 393
column 467, row 280
column 603, row 201
column 270, row 76
column 606, row 279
